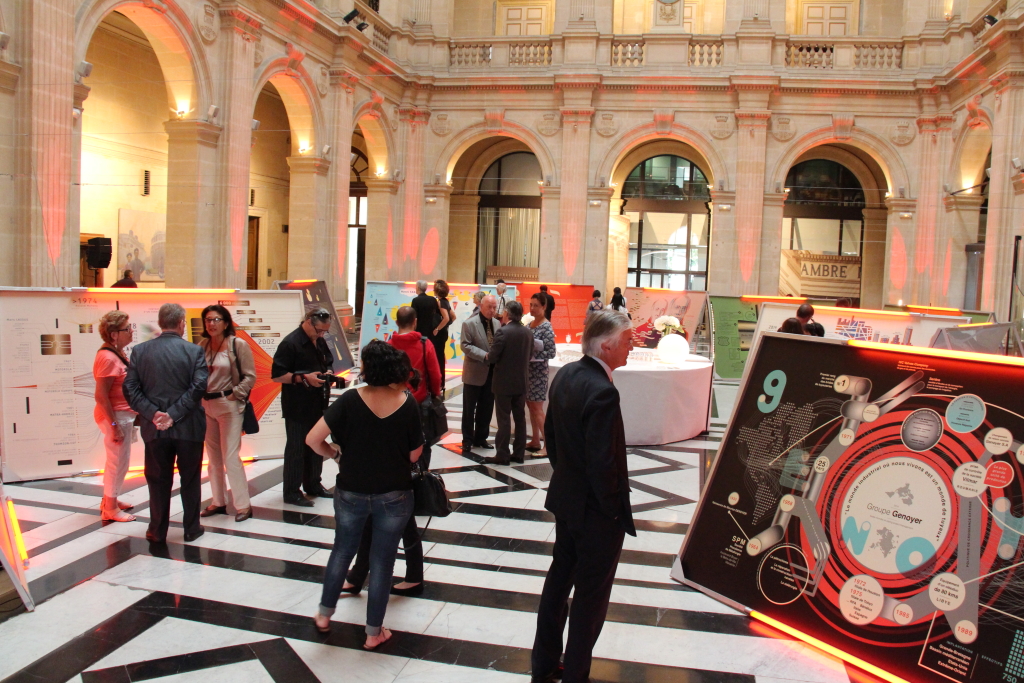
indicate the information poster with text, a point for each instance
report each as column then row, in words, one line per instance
column 870, row 497
column 734, row 323
column 50, row 339
column 315, row 295
column 384, row 298
column 570, row 307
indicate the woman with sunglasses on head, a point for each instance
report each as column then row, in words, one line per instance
column 232, row 376
column 112, row 413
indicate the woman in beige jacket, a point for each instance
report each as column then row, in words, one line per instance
column 232, row 376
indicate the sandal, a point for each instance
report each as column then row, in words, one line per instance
column 116, row 516
column 124, row 506
column 385, row 634
column 316, row 621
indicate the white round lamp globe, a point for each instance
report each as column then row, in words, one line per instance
column 673, row 349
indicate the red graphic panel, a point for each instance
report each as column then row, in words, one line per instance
column 265, row 390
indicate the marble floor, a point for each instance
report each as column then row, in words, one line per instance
column 235, row 605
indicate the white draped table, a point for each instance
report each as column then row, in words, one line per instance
column 660, row 403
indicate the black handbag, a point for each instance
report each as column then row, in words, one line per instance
column 433, row 411
column 250, row 423
column 430, row 496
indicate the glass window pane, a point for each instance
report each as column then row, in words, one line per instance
column 851, row 238
column 490, row 184
column 520, row 174
column 819, row 235
column 699, row 233
column 634, row 227
column 665, row 228
column 632, row 258
column 698, row 259
column 353, row 210
column 363, row 203
column 698, row 282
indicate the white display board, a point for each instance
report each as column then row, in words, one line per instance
column 886, row 327
column 50, row 337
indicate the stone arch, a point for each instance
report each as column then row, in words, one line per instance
column 174, row 39
column 871, row 144
column 371, row 120
column 706, row 154
column 874, row 187
column 467, row 137
column 301, row 101
column 971, row 149
column 470, row 184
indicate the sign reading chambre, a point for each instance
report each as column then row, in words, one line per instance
column 808, row 273
column 870, row 496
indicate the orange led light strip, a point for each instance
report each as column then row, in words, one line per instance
column 938, row 353
column 825, row 647
column 779, row 299
column 863, row 311
column 934, row 309
column 302, row 282
column 976, row 324
column 19, row 542
column 144, row 290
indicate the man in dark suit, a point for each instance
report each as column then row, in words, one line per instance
column 589, row 496
column 165, row 384
column 477, row 399
column 510, row 355
column 126, row 281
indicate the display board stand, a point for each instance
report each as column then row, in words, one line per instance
column 866, row 498
column 12, row 550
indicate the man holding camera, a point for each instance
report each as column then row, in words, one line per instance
column 300, row 364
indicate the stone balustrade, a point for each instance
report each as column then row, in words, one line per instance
column 628, row 52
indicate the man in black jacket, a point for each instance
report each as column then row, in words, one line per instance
column 589, row 495
column 510, row 355
column 165, row 384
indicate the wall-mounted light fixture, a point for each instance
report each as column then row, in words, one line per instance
column 906, row 215
column 5, row 40
column 212, row 112
column 725, row 207
column 431, row 200
column 350, row 16
column 255, row 124
column 325, row 150
column 990, row 20
column 362, row 26
column 595, row 202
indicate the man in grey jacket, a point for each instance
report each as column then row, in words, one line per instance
column 165, row 384
column 477, row 399
column 510, row 355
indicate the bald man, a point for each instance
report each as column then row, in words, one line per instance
column 477, row 398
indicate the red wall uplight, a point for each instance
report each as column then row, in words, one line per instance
column 430, row 251
column 898, row 260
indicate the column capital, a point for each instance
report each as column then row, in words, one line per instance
column 234, row 17
column 199, row 132
column 775, row 199
column 81, row 94
column 602, row 193
column 963, row 202
column 304, row 164
column 444, row 190
column 875, row 215
column 344, row 78
column 896, row 205
column 550, row 191
column 413, row 115
column 382, row 185
column 9, row 74
column 577, row 115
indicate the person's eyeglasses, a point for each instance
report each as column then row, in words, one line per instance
column 124, row 329
column 214, row 320
column 322, row 330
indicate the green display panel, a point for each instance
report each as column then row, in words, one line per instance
column 733, row 327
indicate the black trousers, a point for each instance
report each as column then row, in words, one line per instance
column 477, row 407
column 411, row 544
column 513, row 407
column 160, row 457
column 439, row 343
column 302, row 465
column 585, row 556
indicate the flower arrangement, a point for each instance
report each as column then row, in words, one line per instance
column 527, row 319
column 669, row 324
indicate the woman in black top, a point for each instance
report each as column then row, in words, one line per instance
column 376, row 437
column 440, row 338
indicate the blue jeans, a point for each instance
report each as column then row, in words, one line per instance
column 390, row 512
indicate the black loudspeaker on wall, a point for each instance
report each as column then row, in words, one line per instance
column 99, row 252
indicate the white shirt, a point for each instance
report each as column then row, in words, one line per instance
column 606, row 368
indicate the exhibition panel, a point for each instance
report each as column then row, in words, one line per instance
column 50, row 338
column 384, row 298
column 13, row 556
column 867, row 495
column 315, row 295
column 570, row 306
column 647, row 304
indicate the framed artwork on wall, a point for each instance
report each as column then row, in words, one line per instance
column 141, row 239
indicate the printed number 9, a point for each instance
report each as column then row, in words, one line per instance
column 774, row 385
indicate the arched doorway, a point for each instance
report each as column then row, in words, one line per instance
column 358, row 210
column 508, row 217
column 822, row 231
column 125, row 152
column 666, row 200
column 269, row 189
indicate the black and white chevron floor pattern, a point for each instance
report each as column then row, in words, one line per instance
column 236, row 604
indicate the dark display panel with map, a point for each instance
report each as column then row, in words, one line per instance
column 871, row 498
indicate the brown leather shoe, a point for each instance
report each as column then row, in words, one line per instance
column 214, row 510
column 243, row 515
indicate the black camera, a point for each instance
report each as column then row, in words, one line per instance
column 331, row 379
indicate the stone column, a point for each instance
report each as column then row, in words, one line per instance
column 771, row 243
column 434, row 251
column 872, row 258
column 75, row 191
column 930, row 246
column 900, row 249
column 722, row 259
column 960, row 228
column 414, row 120
column 1003, row 201
column 573, row 208
column 382, row 261
column 193, row 240
column 462, row 237
column 594, row 266
column 240, row 30
column 343, row 84
column 618, row 248
column 752, row 129
column 551, row 262
column 45, row 131
column 312, row 248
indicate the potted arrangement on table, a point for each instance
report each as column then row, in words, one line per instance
column 673, row 347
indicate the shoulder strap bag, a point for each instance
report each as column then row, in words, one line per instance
column 433, row 412
column 250, row 423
